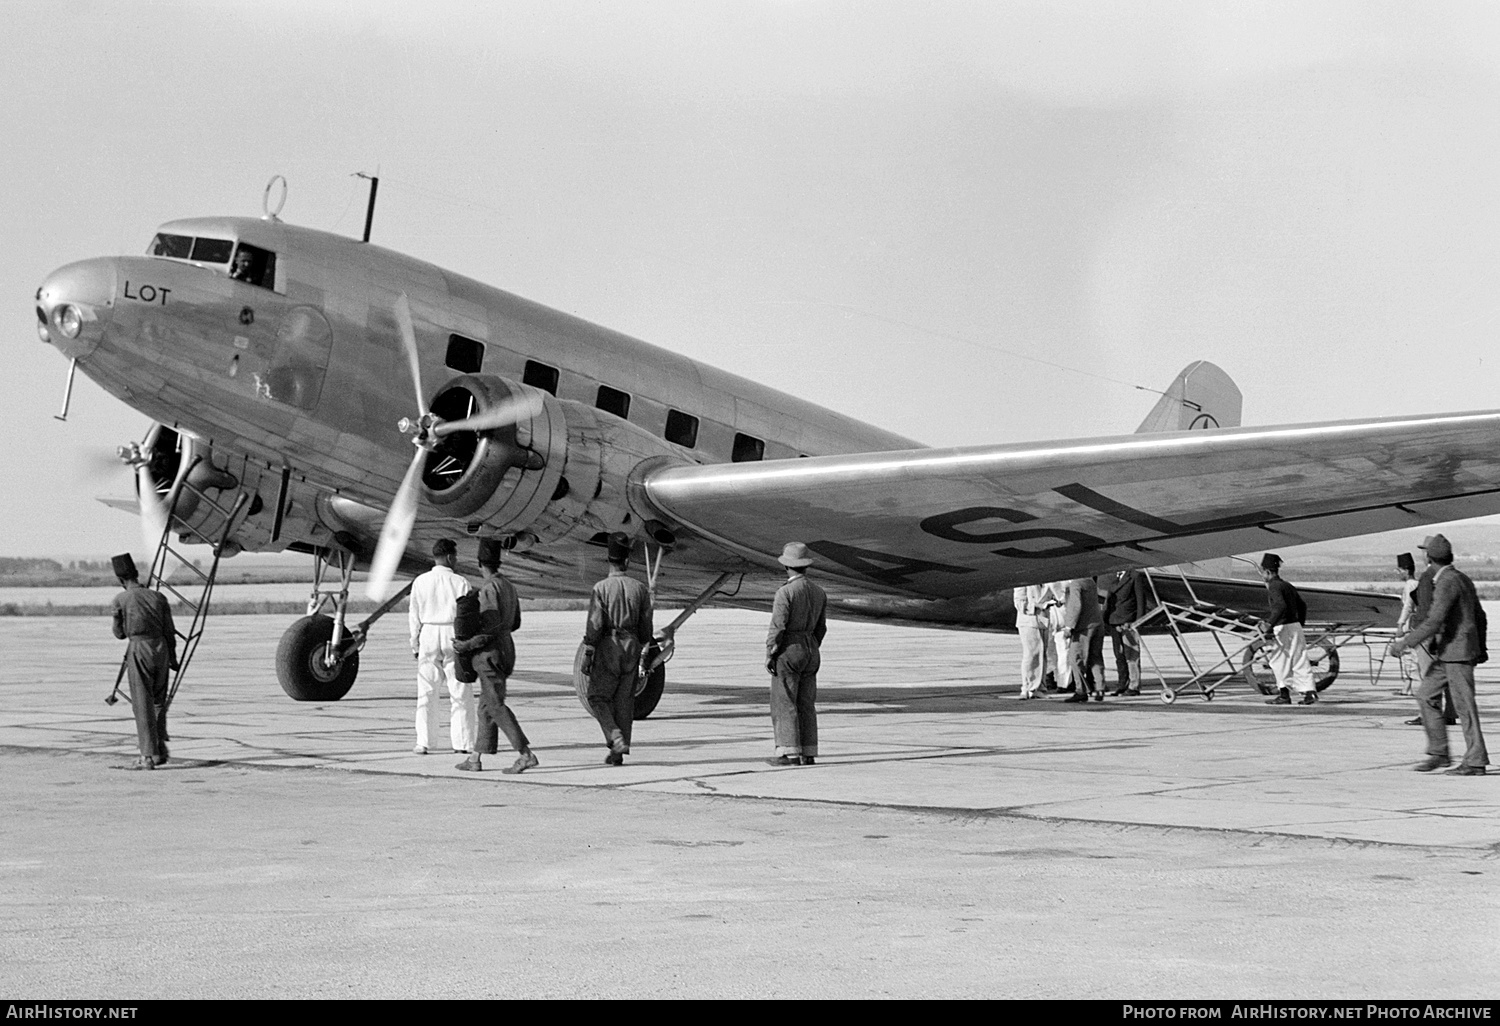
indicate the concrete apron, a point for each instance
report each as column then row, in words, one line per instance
column 908, row 718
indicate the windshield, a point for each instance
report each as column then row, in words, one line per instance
column 185, row 247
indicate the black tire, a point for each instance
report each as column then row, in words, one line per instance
column 299, row 662
column 656, row 683
column 1331, row 674
column 1265, row 682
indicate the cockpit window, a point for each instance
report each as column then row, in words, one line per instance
column 253, row 265
column 185, row 247
column 212, row 251
column 179, row 246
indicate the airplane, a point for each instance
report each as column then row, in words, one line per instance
column 364, row 403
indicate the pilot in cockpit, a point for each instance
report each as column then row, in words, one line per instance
column 240, row 269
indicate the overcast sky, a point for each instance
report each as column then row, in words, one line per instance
column 966, row 222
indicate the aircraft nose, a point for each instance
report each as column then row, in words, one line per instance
column 74, row 304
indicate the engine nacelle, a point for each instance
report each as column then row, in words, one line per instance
column 502, row 478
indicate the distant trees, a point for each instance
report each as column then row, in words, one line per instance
column 12, row 566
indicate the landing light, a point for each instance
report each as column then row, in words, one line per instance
column 69, row 320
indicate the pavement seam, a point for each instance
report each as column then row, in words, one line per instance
column 1015, row 812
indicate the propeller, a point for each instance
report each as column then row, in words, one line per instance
column 153, row 511
column 425, row 430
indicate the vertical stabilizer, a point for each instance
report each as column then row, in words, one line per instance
column 1202, row 396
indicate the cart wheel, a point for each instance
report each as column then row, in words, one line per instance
column 1168, row 695
column 1258, row 677
column 1208, row 696
column 1331, row 673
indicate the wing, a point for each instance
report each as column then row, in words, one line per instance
column 946, row 523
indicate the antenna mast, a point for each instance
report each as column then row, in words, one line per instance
column 370, row 210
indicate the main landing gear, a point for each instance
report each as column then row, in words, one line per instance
column 318, row 657
column 653, row 677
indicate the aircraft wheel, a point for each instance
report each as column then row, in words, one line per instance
column 1256, row 671
column 300, row 667
column 1168, row 695
column 1331, row 672
column 656, row 682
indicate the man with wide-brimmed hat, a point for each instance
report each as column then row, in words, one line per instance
column 1287, row 651
column 798, row 625
column 143, row 619
column 1455, row 627
column 433, row 606
column 619, row 628
column 493, row 653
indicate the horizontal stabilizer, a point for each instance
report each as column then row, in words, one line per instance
column 1202, row 396
column 128, row 505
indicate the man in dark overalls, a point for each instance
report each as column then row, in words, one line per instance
column 494, row 657
column 619, row 627
column 143, row 619
column 798, row 625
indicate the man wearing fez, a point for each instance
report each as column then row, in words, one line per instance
column 1287, row 652
column 798, row 625
column 619, row 627
column 143, row 619
column 1455, row 626
column 494, row 657
column 434, row 604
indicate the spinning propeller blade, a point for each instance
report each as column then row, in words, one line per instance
column 509, row 412
column 408, row 336
column 153, row 513
column 396, row 530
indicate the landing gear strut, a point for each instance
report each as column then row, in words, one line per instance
column 318, row 657
column 653, row 677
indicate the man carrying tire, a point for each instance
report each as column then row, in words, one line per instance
column 494, row 657
column 619, row 627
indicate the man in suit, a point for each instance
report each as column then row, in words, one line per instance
column 1127, row 598
column 1455, row 626
column 1086, row 639
column 1416, row 602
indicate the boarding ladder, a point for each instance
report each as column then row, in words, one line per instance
column 196, row 594
column 1238, row 637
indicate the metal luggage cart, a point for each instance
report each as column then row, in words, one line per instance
column 1240, row 644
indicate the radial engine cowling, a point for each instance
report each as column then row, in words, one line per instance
column 504, row 477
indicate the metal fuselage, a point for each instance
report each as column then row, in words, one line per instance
column 301, row 377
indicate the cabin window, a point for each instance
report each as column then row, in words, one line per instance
column 179, row 246
column 682, row 429
column 464, row 354
column 252, row 265
column 747, row 449
column 539, row 375
column 612, row 400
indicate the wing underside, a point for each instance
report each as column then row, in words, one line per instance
column 947, row 523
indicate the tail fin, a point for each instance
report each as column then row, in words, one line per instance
column 1202, row 396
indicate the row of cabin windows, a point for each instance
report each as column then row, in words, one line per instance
column 466, row 356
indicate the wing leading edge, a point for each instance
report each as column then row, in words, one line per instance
column 944, row 523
